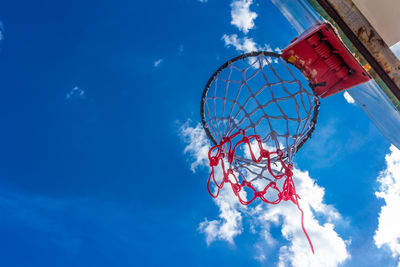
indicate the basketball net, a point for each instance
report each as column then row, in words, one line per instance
column 257, row 114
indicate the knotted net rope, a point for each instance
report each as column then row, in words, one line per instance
column 257, row 114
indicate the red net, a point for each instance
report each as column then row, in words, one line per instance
column 217, row 157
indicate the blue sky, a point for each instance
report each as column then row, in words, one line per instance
column 102, row 161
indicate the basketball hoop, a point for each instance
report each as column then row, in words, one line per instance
column 258, row 115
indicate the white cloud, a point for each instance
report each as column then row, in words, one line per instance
column 396, row 49
column 348, row 98
column 203, row 1
column 388, row 232
column 330, row 248
column 242, row 17
column 241, row 44
column 76, row 92
column 158, row 62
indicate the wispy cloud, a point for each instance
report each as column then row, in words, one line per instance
column 203, row 1
column 241, row 44
column 158, row 62
column 246, row 45
column 348, row 98
column 197, row 144
column 242, row 17
column 330, row 248
column 76, row 93
column 388, row 232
